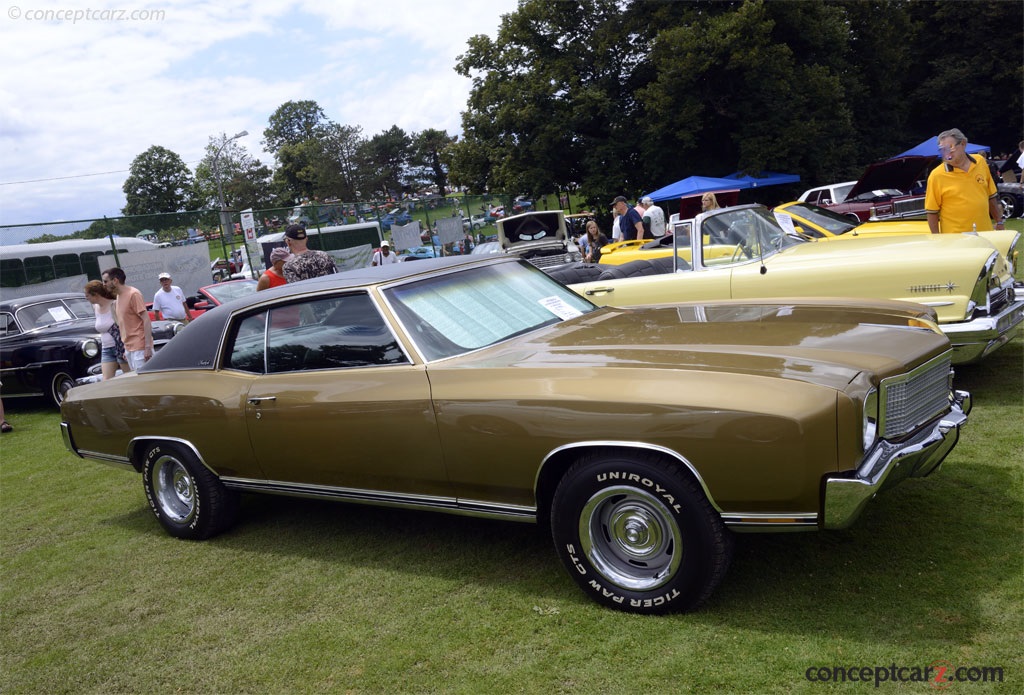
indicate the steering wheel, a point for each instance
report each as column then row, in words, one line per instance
column 743, row 250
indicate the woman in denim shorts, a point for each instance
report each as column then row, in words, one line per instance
column 102, row 300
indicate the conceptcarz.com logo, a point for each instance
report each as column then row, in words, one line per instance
column 939, row 674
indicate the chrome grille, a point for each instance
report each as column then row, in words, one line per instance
column 549, row 261
column 912, row 399
column 907, row 207
column 997, row 299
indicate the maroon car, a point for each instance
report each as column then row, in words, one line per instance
column 893, row 188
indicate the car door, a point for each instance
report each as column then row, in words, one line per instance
column 337, row 403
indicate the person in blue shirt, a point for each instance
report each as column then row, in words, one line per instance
column 630, row 223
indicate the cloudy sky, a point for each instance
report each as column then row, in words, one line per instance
column 81, row 95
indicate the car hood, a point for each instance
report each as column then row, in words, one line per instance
column 823, row 343
column 532, row 229
column 80, row 328
column 898, row 173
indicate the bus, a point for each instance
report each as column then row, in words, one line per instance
column 31, row 264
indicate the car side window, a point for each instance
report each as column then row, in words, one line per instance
column 332, row 333
column 7, row 325
column 247, row 346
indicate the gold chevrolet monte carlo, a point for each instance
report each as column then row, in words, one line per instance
column 643, row 438
column 744, row 252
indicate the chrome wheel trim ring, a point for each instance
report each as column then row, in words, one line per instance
column 631, row 538
column 175, row 490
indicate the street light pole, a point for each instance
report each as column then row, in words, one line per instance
column 225, row 218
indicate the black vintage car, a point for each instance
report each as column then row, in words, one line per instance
column 47, row 341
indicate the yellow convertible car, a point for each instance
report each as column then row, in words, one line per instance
column 483, row 387
column 742, row 252
column 814, row 222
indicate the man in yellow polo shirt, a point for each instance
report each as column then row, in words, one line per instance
column 961, row 195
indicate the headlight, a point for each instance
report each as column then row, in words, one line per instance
column 979, row 295
column 176, row 328
column 1011, row 256
column 870, row 424
column 90, row 348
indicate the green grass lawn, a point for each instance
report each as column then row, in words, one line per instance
column 305, row 596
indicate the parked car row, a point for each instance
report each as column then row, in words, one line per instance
column 743, row 252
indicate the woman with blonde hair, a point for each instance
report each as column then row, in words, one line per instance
column 103, row 301
column 709, row 202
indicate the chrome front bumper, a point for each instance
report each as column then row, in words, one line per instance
column 973, row 340
column 889, row 463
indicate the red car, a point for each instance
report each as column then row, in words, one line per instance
column 214, row 295
column 887, row 189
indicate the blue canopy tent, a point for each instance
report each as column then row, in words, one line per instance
column 930, row 148
column 763, row 178
column 694, row 185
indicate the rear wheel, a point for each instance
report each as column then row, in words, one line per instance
column 188, row 500
column 637, row 533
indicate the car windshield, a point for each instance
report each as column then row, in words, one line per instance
column 452, row 314
column 54, row 311
column 226, row 291
column 826, row 219
column 742, row 234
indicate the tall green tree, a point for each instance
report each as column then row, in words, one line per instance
column 158, row 181
column 246, row 181
column 293, row 122
column 969, row 71
column 426, row 164
column 335, row 164
column 739, row 90
column 551, row 99
column 383, row 160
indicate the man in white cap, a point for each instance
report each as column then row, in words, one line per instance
column 653, row 216
column 384, row 255
column 169, row 301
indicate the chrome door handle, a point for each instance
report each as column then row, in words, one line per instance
column 599, row 290
column 256, row 401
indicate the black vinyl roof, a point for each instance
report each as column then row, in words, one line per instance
column 195, row 347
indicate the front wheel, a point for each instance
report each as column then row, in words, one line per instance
column 638, row 534
column 188, row 500
column 1010, row 207
column 59, row 382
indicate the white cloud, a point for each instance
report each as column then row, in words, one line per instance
column 84, row 97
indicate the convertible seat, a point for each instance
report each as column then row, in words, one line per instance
column 572, row 273
column 634, row 269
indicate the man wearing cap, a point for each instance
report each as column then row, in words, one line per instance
column 653, row 217
column 384, row 255
column 305, row 263
column 274, row 275
column 169, row 301
column 630, row 223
